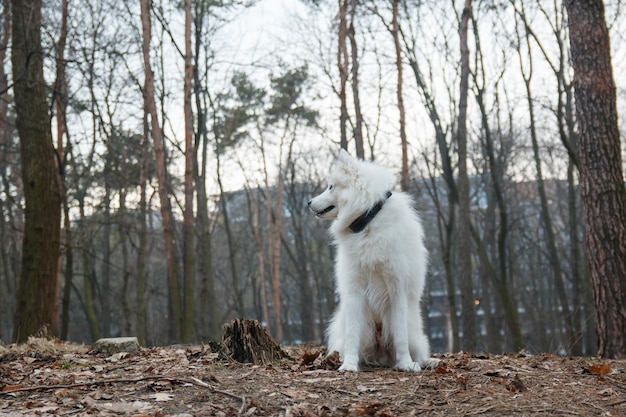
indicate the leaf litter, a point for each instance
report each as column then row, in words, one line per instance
column 43, row 377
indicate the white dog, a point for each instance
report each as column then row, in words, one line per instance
column 380, row 268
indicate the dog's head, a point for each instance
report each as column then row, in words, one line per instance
column 354, row 185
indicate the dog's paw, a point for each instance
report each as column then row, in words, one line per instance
column 430, row 363
column 349, row 367
column 408, row 366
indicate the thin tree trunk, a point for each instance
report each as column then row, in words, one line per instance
column 273, row 217
column 358, row 115
column 208, row 299
column 69, row 269
column 445, row 229
column 204, row 240
column 88, row 279
column 239, row 303
column 342, row 65
column 274, row 223
column 42, row 233
column 123, row 226
column 574, row 249
column 448, row 261
column 105, row 294
column 4, row 85
column 60, row 106
column 501, row 279
column 188, row 219
column 161, row 173
column 404, row 173
column 261, row 259
column 300, row 257
column 464, row 240
column 142, row 251
column 601, row 176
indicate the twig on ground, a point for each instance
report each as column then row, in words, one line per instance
column 79, row 384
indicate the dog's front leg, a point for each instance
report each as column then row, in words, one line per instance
column 398, row 322
column 353, row 325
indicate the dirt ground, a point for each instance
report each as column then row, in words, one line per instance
column 44, row 378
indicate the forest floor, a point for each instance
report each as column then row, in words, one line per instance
column 44, row 377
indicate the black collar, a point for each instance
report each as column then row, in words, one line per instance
column 362, row 221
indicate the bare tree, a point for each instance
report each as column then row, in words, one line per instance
column 395, row 28
column 464, row 240
column 142, row 249
column 41, row 246
column 342, row 65
column 188, row 218
column 354, row 61
column 60, row 101
column 9, row 173
column 601, row 176
column 161, row 173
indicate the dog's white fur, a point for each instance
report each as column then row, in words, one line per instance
column 379, row 272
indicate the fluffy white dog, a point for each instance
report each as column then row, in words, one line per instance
column 380, row 268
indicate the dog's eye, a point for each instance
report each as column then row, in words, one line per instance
column 330, row 187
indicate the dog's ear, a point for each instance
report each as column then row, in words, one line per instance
column 344, row 157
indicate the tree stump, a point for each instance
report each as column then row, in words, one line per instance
column 247, row 341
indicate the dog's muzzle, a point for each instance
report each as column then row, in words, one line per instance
column 321, row 212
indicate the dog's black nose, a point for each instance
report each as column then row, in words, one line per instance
column 309, row 203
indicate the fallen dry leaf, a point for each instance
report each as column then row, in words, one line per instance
column 516, row 385
column 600, row 368
column 161, row 396
column 117, row 357
column 296, row 394
column 368, row 409
column 442, row 369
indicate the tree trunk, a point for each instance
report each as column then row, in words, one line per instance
column 208, row 300
column 60, row 106
column 105, row 293
column 9, row 254
column 123, row 225
column 42, row 233
column 358, row 115
column 188, row 219
column 445, row 230
column 69, row 269
column 601, row 177
column 204, row 244
column 300, row 255
column 342, row 65
column 274, row 223
column 464, row 240
column 232, row 249
column 404, row 173
column 161, row 173
column 142, row 250
column 256, row 228
column 501, row 273
column 89, row 276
